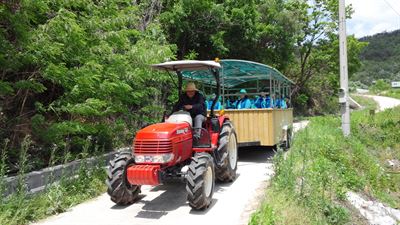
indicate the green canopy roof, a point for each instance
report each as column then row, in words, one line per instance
column 235, row 72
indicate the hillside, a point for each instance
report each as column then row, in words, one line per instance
column 380, row 59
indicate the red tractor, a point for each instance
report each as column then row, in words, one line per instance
column 167, row 151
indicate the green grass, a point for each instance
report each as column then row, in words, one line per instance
column 394, row 93
column 22, row 208
column 368, row 103
column 310, row 185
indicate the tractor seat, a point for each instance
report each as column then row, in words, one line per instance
column 180, row 116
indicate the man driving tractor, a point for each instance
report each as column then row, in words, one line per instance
column 194, row 103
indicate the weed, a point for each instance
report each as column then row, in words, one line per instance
column 322, row 166
column 3, row 169
column 23, row 164
column 21, row 208
column 266, row 216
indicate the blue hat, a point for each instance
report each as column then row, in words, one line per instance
column 243, row 91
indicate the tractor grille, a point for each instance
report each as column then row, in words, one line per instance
column 152, row 147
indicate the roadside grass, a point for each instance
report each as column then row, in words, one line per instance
column 23, row 208
column 394, row 93
column 367, row 103
column 312, row 179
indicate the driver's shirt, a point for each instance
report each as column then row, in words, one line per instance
column 197, row 102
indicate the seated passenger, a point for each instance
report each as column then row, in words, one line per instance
column 277, row 103
column 228, row 104
column 233, row 102
column 252, row 100
column 244, row 101
column 287, row 100
column 283, row 103
column 207, row 103
column 264, row 101
column 217, row 105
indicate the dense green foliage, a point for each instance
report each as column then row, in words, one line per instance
column 79, row 68
column 254, row 30
column 72, row 69
column 323, row 165
column 380, row 59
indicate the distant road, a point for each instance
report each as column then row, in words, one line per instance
column 384, row 102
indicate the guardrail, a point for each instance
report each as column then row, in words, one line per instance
column 37, row 181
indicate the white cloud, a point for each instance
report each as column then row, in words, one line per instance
column 373, row 16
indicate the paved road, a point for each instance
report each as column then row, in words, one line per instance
column 384, row 102
column 233, row 203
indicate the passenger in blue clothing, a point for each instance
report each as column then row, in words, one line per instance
column 233, row 102
column 287, row 101
column 229, row 104
column 264, row 101
column 244, row 101
column 217, row 105
column 206, row 102
column 278, row 101
column 283, row 103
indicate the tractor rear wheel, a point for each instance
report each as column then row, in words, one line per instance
column 227, row 146
column 118, row 187
column 200, row 181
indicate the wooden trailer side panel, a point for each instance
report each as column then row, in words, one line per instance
column 281, row 118
column 253, row 125
column 260, row 125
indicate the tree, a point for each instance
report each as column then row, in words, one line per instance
column 316, row 68
column 195, row 26
column 262, row 31
column 71, row 69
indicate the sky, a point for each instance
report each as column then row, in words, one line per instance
column 373, row 16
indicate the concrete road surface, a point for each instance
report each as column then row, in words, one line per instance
column 232, row 204
column 384, row 102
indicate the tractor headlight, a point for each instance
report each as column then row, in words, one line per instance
column 159, row 158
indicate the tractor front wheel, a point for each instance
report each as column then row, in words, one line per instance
column 200, row 181
column 118, row 187
column 228, row 148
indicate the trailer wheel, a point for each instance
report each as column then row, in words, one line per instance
column 200, row 181
column 118, row 187
column 227, row 145
column 288, row 141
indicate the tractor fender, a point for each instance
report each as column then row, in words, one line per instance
column 222, row 119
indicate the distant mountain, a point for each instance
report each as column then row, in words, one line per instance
column 381, row 58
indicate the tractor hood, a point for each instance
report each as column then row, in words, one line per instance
column 163, row 130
